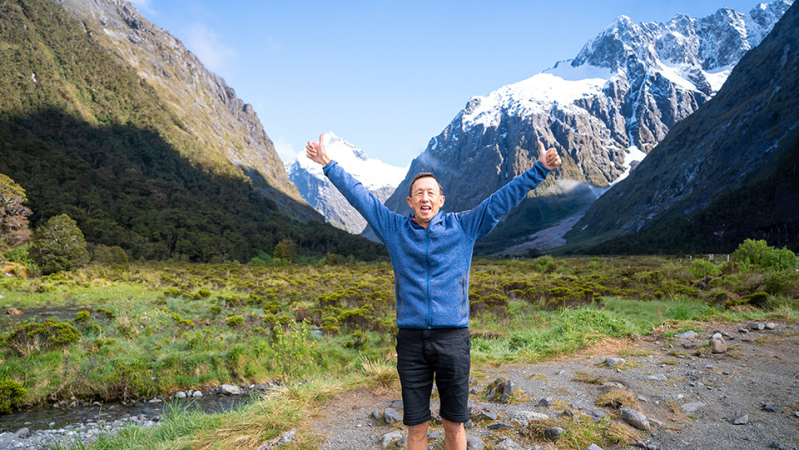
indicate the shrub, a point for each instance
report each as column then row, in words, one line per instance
column 104, row 254
column 11, row 394
column 42, row 336
column 59, row 245
column 701, row 268
column 752, row 252
column 234, row 321
column 286, row 250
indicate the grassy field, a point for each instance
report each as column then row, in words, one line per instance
column 149, row 329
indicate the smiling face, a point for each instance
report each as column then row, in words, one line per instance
column 425, row 200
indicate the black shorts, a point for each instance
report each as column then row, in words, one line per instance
column 423, row 355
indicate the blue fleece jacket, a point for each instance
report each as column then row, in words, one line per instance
column 431, row 266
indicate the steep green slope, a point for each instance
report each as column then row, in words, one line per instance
column 726, row 173
column 86, row 136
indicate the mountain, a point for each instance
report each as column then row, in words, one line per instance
column 380, row 178
column 207, row 107
column 604, row 110
column 727, row 173
column 85, row 135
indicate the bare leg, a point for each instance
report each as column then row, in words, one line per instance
column 417, row 436
column 454, row 435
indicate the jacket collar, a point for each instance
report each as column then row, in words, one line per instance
column 438, row 218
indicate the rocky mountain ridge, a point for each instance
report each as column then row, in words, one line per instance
column 602, row 110
column 727, row 173
column 201, row 100
column 380, row 178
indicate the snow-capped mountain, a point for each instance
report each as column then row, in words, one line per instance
column 380, row 178
column 603, row 110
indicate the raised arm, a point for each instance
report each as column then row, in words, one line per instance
column 479, row 221
column 376, row 214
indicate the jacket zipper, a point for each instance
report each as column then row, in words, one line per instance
column 427, row 254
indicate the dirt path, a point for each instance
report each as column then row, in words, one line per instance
column 690, row 396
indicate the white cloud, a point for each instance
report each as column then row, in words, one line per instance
column 204, row 43
column 285, row 150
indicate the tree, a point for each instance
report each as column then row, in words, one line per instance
column 59, row 245
column 285, row 250
column 13, row 216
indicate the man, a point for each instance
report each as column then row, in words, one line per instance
column 431, row 253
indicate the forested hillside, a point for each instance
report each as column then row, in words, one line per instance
column 84, row 135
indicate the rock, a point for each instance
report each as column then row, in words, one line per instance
column 743, row 330
column 691, row 407
column 396, row 404
column 22, row 432
column 500, row 426
column 229, row 389
column 523, row 418
column 772, row 409
column 636, row 419
column 377, row 415
column 387, row 439
column 717, row 344
column 657, row 377
column 613, row 362
column 197, row 394
column 474, row 443
column 594, row 447
column 433, row 435
column 686, row 335
column 553, row 433
column 508, row 444
column 755, row 326
column 391, row 416
column 180, row 394
column 741, row 420
column 771, row 326
column 568, row 413
column 595, row 414
column 479, row 413
column 546, row 402
column 499, row 391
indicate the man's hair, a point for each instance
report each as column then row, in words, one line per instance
column 425, row 175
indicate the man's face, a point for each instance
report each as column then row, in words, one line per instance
column 425, row 200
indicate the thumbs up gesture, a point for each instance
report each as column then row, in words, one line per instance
column 315, row 151
column 549, row 158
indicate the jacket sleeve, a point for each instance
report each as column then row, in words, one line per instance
column 376, row 214
column 478, row 222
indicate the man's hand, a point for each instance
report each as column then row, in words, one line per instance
column 316, row 151
column 549, row 159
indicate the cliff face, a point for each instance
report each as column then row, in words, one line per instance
column 208, row 109
column 726, row 173
column 604, row 111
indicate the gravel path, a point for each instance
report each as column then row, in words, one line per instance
column 692, row 398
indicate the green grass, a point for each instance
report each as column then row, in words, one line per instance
column 154, row 328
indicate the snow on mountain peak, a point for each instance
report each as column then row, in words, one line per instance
column 373, row 173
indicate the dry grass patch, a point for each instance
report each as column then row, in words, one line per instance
column 619, row 399
column 585, row 377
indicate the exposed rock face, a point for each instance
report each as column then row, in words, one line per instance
column 603, row 110
column 741, row 145
column 200, row 100
column 381, row 179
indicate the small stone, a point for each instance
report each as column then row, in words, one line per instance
column 692, row 407
column 197, row 394
column 755, row 326
column 180, row 394
column 743, row 330
column 772, row 409
column 718, row 345
column 525, row 417
column 387, row 439
column 546, row 402
column 433, row 435
column 22, row 432
column 229, row 389
column 499, row 391
column 500, row 426
column 613, row 362
column 594, row 447
column 377, row 415
column 771, row 326
column 391, row 416
column 686, row 335
column 508, row 444
column 474, row 443
column 657, row 377
column 553, row 433
column 741, row 420
column 568, row 413
column 396, row 404
column 635, row 418
column 479, row 413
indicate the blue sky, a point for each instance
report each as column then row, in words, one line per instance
column 387, row 75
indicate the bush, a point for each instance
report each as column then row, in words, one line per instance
column 104, row 254
column 42, row 336
column 701, row 268
column 752, row 252
column 59, row 245
column 11, row 394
